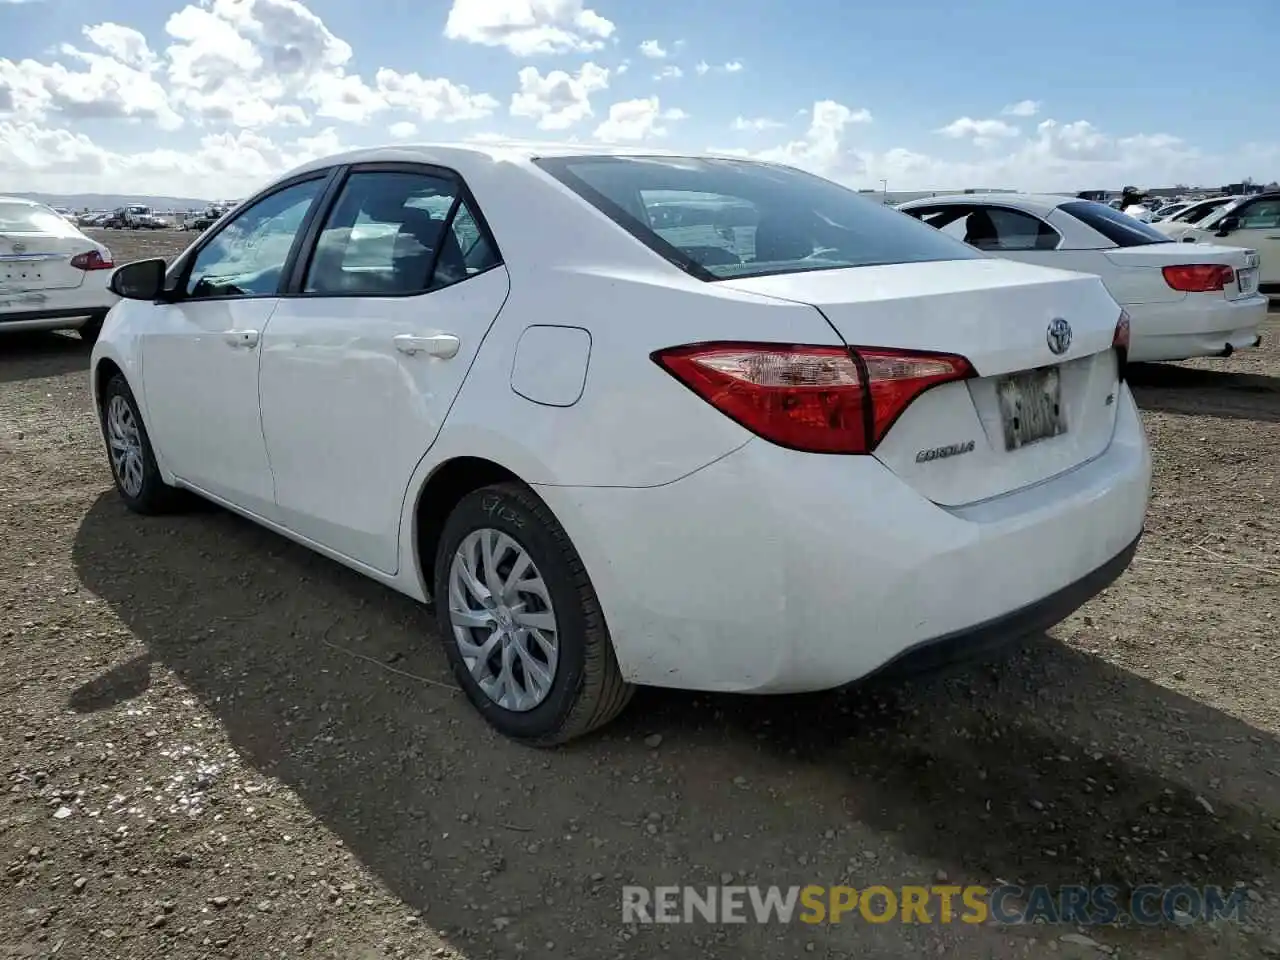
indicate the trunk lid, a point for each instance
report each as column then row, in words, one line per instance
column 1151, row 259
column 33, row 263
column 962, row 442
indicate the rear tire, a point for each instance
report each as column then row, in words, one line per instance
column 129, row 452
column 545, row 684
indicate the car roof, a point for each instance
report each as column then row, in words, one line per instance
column 24, row 200
column 1039, row 203
column 464, row 156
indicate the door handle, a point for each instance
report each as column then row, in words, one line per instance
column 442, row 345
column 241, row 338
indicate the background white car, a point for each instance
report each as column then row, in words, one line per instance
column 692, row 422
column 1252, row 222
column 52, row 277
column 1182, row 221
column 1183, row 300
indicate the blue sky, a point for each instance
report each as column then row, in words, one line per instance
column 168, row 93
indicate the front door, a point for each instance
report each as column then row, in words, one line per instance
column 360, row 366
column 200, row 356
column 1259, row 229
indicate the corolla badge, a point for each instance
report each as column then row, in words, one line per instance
column 1058, row 336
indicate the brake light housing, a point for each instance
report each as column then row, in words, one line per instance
column 1199, row 277
column 92, row 260
column 817, row 399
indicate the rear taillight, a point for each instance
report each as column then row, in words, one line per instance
column 93, row 260
column 1120, row 341
column 816, row 399
column 1199, row 277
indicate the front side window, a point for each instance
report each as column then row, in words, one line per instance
column 1199, row 211
column 1120, row 228
column 247, row 256
column 719, row 219
column 396, row 233
column 1259, row 215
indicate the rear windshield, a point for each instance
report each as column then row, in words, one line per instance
column 1120, row 228
column 719, row 219
column 33, row 218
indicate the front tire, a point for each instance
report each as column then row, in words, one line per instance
column 521, row 623
column 129, row 451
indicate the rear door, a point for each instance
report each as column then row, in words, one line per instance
column 362, row 361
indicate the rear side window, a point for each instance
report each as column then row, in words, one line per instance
column 397, row 233
column 998, row 229
column 1259, row 215
column 1120, row 228
column 719, row 219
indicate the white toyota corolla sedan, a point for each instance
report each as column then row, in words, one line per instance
column 634, row 419
column 1184, row 301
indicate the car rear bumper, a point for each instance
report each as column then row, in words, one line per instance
column 1197, row 326
column 1027, row 621
column 776, row 571
column 60, row 319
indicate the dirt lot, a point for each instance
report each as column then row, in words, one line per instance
column 220, row 745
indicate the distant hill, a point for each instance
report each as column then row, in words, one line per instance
column 109, row 201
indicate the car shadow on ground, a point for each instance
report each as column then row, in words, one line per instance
column 1044, row 766
column 1196, row 391
column 30, row 356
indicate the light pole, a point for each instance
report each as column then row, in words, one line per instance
column 884, row 183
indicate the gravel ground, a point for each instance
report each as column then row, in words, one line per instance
column 218, row 744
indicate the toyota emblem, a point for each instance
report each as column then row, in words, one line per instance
column 19, row 247
column 1058, row 336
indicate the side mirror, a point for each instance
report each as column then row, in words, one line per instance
column 140, row 280
column 1226, row 225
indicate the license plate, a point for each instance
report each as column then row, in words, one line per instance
column 1248, row 280
column 1031, row 406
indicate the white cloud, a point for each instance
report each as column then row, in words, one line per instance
column 634, row 120
column 1023, row 108
column 669, row 72
column 652, row 49
column 528, row 27
column 820, row 148
column 984, row 133
column 702, row 68
column 57, row 160
column 105, row 89
column 755, row 124
column 559, row 99
column 232, row 92
column 433, row 98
